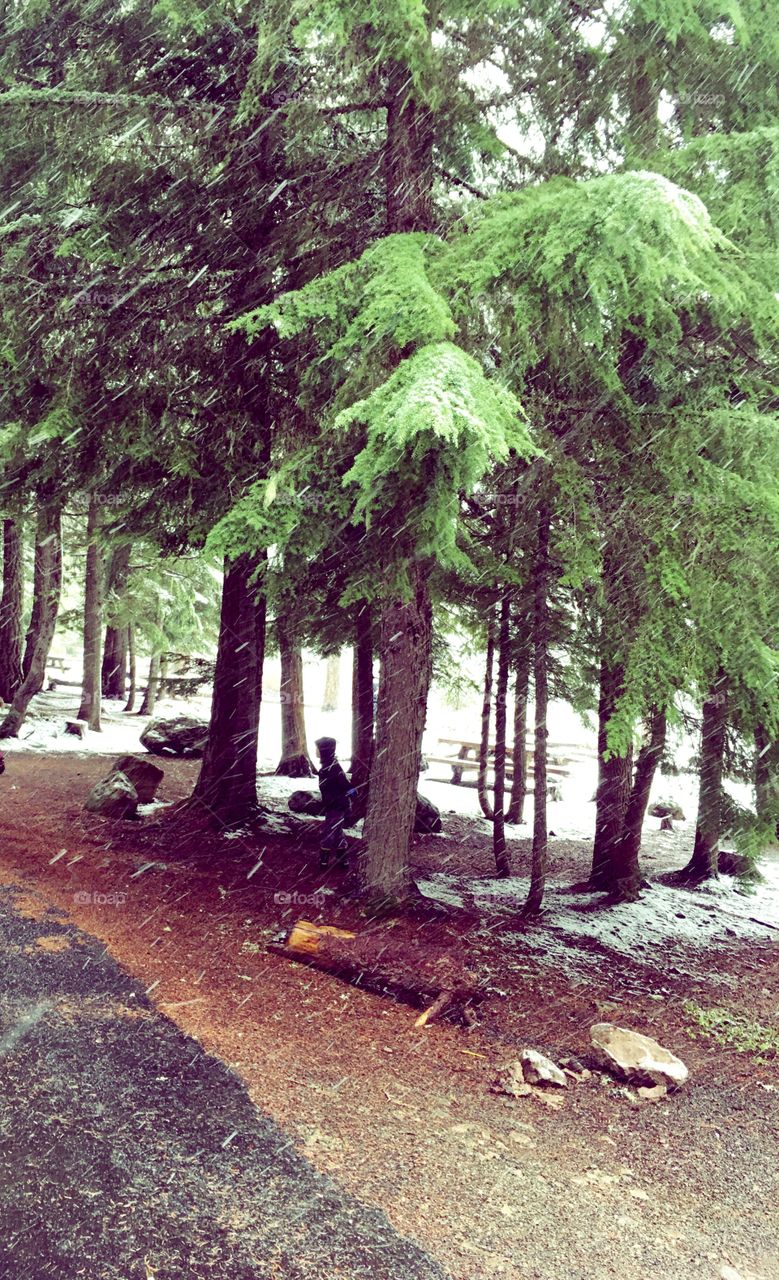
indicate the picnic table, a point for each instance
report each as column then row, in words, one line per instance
column 467, row 758
column 58, row 664
column 560, row 756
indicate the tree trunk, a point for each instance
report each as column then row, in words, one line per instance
column 516, row 807
column 408, row 155
column 114, row 669
column 615, row 777
column 406, row 669
column 705, row 856
column 362, row 707
column 332, row 682
column 11, row 674
column 163, row 688
column 486, row 717
column 113, row 672
column 541, row 682
column 406, row 643
column 48, row 584
column 149, row 700
column 132, row 666
column 767, row 781
column 227, row 785
column 93, row 621
column 626, row 874
column 502, row 860
column 295, row 761
column 33, row 627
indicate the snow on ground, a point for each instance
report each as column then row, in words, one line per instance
column 664, row 918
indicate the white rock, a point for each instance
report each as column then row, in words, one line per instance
column 635, row 1057
column 538, row 1069
column 729, row 1273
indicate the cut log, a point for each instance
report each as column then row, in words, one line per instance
column 308, row 937
column 442, row 988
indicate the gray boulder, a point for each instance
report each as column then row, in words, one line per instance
column 179, row 736
column 634, row 1057
column 428, row 817
column 306, row 802
column 667, row 809
column 114, row 797
column 145, row 776
column 733, row 864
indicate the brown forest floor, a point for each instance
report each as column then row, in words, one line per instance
column 404, row 1118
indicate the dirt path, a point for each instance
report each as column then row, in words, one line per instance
column 127, row 1151
column 404, row 1119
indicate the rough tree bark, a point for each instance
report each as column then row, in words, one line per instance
column 48, row 586
column 332, row 682
column 11, row 673
column 626, row 874
column 486, row 720
column 227, row 784
column 615, row 777
column 113, row 676
column 33, row 626
column 767, row 779
column 500, row 851
column 132, row 667
column 113, row 671
column 89, row 709
column 295, row 761
column 406, row 669
column 705, row 855
column 362, row 707
column 516, row 807
column 541, row 681
column 406, row 624
column 149, row 700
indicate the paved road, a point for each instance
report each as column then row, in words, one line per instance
column 127, row 1151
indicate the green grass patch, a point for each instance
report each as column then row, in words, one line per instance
column 733, row 1030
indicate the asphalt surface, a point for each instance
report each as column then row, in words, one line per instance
column 128, row 1151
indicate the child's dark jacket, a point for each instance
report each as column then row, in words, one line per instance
column 334, row 786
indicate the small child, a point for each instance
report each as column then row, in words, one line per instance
column 336, row 792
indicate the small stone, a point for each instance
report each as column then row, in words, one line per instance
column 76, row 727
column 522, row 1139
column 573, row 1064
column 729, row 1273
column 553, row 1100
column 652, row 1092
column 511, row 1081
column 538, row 1069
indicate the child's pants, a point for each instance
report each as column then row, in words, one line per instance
column 333, row 839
